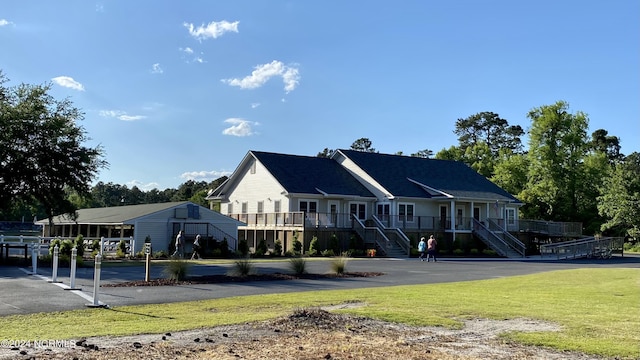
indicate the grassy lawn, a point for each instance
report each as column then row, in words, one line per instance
column 598, row 310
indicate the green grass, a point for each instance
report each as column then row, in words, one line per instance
column 598, row 310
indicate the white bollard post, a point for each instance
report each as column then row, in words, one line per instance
column 96, row 282
column 132, row 244
column 72, row 275
column 21, row 239
column 34, row 260
column 54, row 274
column 101, row 245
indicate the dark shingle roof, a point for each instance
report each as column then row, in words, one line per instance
column 452, row 177
column 307, row 175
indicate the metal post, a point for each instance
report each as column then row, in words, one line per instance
column 101, row 244
column 96, row 282
column 132, row 247
column 34, row 259
column 56, row 252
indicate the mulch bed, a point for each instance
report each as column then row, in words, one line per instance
column 215, row 279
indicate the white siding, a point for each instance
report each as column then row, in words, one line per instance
column 259, row 186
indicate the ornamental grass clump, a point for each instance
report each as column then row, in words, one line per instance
column 176, row 269
column 339, row 264
column 298, row 265
column 242, row 267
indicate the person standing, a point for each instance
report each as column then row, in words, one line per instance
column 422, row 246
column 179, row 244
column 432, row 244
column 196, row 248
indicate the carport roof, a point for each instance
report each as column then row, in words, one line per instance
column 113, row 215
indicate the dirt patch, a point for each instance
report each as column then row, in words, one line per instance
column 315, row 334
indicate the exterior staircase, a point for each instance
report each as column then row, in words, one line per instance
column 499, row 239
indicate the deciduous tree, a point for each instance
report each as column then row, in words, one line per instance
column 43, row 154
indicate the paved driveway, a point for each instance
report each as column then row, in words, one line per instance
column 23, row 293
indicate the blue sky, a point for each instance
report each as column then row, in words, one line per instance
column 183, row 90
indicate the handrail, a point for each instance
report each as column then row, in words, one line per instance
column 509, row 239
column 361, row 229
column 584, row 247
column 495, row 241
column 405, row 243
column 216, row 232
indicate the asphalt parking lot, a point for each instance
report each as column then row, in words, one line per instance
column 23, row 292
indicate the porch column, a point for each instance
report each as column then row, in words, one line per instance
column 453, row 219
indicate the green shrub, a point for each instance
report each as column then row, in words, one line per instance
column 489, row 252
column 176, row 269
column 631, row 247
column 297, row 247
column 122, row 247
column 242, row 267
column 328, row 253
column 458, row 252
column 298, row 265
column 289, row 253
column 261, row 249
column 243, row 247
column 95, row 245
column 277, row 247
column 333, row 244
column 160, row 254
column 224, row 248
column 79, row 244
column 217, row 253
column 474, row 252
column 313, row 246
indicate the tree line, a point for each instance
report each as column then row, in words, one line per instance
column 563, row 173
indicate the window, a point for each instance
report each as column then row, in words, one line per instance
column 243, row 216
column 383, row 212
column 405, row 212
column 229, row 208
column 511, row 216
column 260, row 215
column 333, row 209
column 308, row 206
column 276, row 206
column 359, row 209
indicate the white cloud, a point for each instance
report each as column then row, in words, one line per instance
column 125, row 117
column 240, row 127
column 204, row 175
column 68, row 82
column 187, row 50
column 4, row 22
column 156, row 69
column 262, row 74
column 120, row 115
column 142, row 186
column 198, row 59
column 213, row 30
column 255, row 105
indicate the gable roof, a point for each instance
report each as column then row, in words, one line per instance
column 311, row 175
column 115, row 214
column 404, row 176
